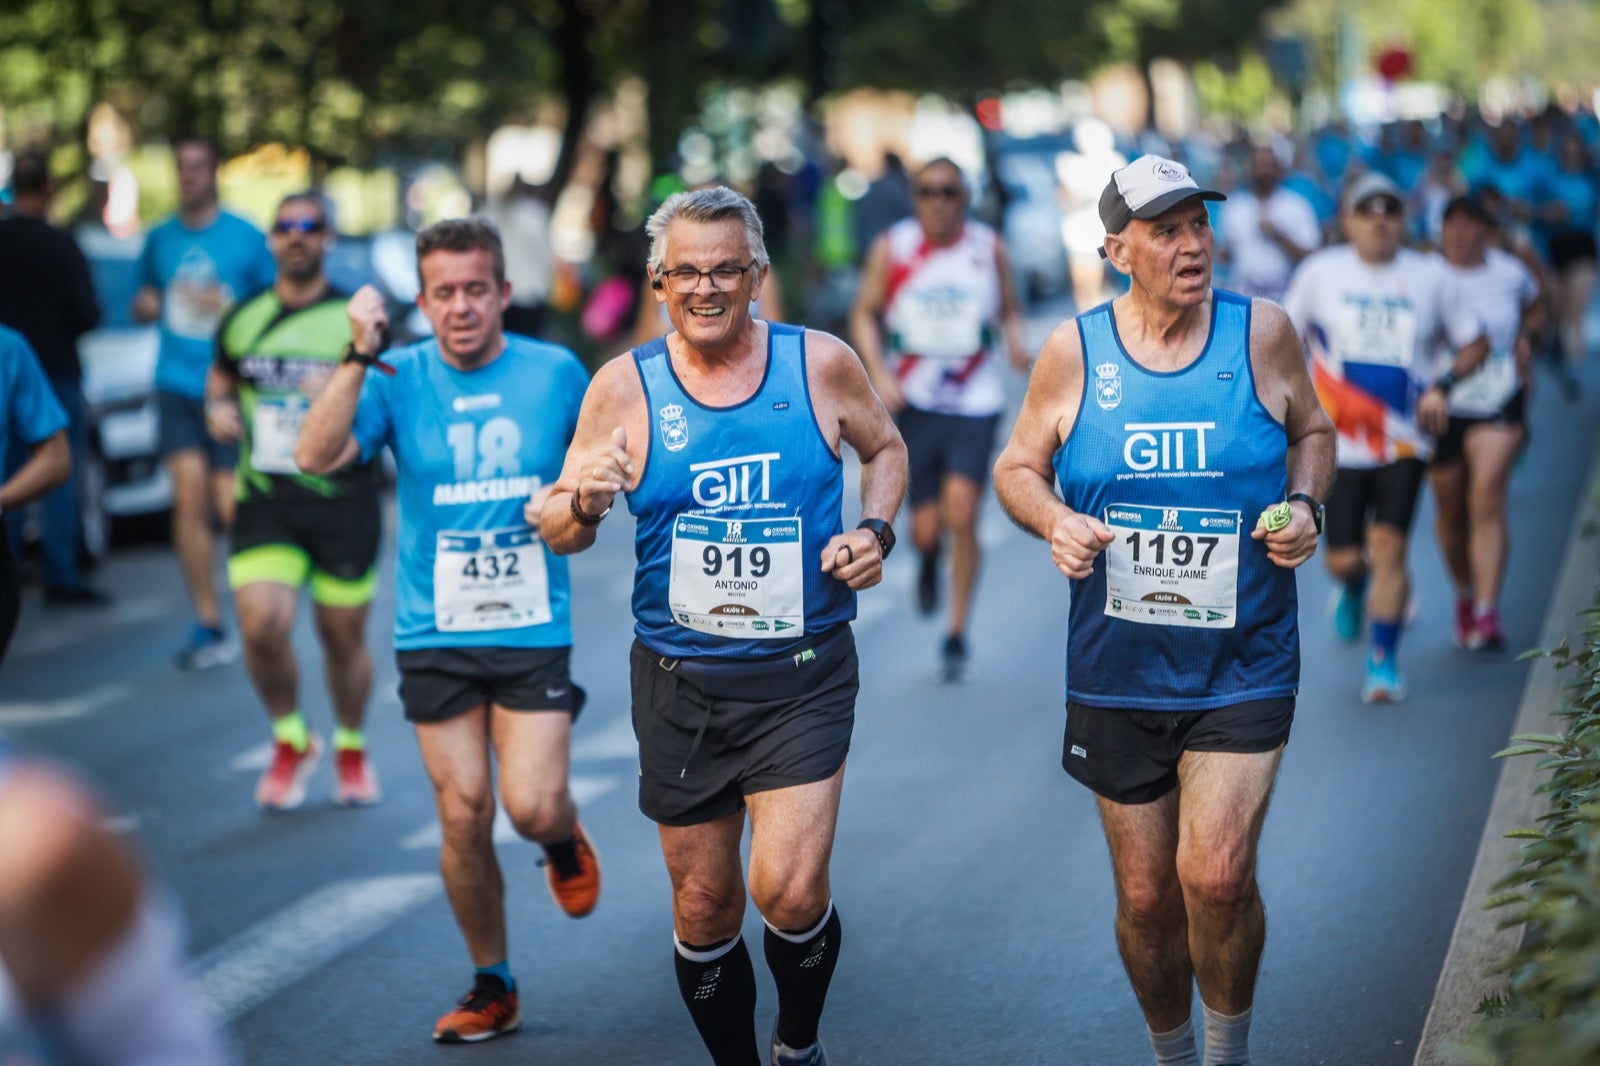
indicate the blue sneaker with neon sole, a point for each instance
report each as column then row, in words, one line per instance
column 1383, row 683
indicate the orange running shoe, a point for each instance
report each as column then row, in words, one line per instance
column 483, row 1014
column 573, row 874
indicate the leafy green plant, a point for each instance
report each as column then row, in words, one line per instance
column 1549, row 1014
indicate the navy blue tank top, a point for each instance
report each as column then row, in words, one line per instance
column 734, row 507
column 1184, row 611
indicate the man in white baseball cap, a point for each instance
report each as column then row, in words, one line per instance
column 1171, row 417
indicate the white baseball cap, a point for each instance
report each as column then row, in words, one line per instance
column 1149, row 186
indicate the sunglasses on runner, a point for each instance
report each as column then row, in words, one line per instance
column 299, row 225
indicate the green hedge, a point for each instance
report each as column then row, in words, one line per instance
column 1550, row 1012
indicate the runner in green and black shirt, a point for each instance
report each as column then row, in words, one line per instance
column 291, row 529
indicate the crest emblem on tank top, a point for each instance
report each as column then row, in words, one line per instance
column 674, row 428
column 1107, row 386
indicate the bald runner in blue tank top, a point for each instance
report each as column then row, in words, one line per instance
column 735, row 505
column 1178, row 465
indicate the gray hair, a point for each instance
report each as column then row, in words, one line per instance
column 716, row 204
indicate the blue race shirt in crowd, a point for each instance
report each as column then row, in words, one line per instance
column 471, row 446
column 735, row 505
column 1184, row 611
column 201, row 274
column 29, row 412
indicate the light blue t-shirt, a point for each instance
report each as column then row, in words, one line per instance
column 470, row 448
column 229, row 256
column 29, row 412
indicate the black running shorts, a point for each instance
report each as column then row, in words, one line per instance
column 1131, row 756
column 940, row 444
column 1381, row 494
column 440, row 683
column 712, row 731
column 339, row 535
column 1452, row 447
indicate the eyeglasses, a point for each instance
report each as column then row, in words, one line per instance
column 1379, row 206
column 684, row 280
column 299, row 225
column 938, row 192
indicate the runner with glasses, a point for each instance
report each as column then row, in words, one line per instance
column 937, row 301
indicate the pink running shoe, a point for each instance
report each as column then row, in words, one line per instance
column 283, row 786
column 1486, row 632
column 355, row 782
column 1466, row 624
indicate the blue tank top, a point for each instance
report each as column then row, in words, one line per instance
column 734, row 507
column 1184, row 612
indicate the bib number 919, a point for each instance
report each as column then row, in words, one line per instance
column 760, row 560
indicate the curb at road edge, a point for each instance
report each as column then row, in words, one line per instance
column 1478, row 945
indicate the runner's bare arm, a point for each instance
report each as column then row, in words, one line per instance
column 1284, row 387
column 1024, row 479
column 1010, row 310
column 851, row 413
column 326, row 443
column 607, row 456
column 865, row 329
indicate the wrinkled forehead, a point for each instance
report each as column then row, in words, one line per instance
column 444, row 267
column 705, row 243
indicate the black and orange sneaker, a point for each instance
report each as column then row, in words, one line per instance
column 483, row 1014
column 573, row 873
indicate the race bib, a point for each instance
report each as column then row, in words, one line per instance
column 1173, row 566
column 274, row 427
column 490, row 580
column 733, row 578
column 1380, row 332
column 1485, row 391
column 940, row 323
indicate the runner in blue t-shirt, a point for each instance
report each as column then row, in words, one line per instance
column 478, row 422
column 30, row 417
column 194, row 266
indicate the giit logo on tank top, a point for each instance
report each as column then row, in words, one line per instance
column 743, row 481
column 1153, row 449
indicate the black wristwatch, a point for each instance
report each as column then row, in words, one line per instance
column 1319, row 513
column 368, row 361
column 883, row 531
column 1446, row 381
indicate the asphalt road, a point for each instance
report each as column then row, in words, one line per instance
column 970, row 873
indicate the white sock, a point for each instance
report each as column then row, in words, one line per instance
column 1227, row 1038
column 1175, row 1048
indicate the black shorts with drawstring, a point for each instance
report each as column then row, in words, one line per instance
column 711, row 731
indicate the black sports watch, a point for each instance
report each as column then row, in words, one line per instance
column 1319, row 513
column 369, row 361
column 883, row 531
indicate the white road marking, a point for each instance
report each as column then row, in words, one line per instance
column 584, row 789
column 120, row 824
column 44, row 639
column 265, row 959
column 28, row 712
column 256, row 758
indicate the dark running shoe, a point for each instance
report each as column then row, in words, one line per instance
column 953, row 660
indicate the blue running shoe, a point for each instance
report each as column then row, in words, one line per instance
column 1347, row 611
column 206, row 649
column 1383, row 683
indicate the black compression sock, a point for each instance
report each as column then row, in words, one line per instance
column 718, row 984
column 802, row 966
